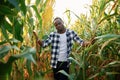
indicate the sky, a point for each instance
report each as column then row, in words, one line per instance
column 77, row 6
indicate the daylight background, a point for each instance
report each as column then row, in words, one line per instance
column 77, row 6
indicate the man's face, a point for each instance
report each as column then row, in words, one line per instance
column 59, row 24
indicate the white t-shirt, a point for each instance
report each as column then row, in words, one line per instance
column 63, row 47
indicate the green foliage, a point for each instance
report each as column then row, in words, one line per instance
column 4, row 50
column 6, row 67
column 92, row 61
column 17, row 22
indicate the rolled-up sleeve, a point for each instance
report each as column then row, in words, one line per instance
column 77, row 39
column 48, row 41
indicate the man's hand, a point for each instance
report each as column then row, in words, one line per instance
column 38, row 41
column 87, row 43
column 35, row 34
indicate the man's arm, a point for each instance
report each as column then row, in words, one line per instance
column 44, row 43
column 83, row 43
column 77, row 39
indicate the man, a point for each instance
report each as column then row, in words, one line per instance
column 61, row 44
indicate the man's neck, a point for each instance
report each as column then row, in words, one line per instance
column 62, row 31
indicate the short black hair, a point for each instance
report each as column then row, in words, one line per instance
column 57, row 18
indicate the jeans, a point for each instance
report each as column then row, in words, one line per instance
column 61, row 66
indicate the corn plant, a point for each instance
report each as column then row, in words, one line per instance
column 18, row 19
column 92, row 61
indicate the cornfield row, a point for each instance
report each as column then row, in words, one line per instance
column 21, row 58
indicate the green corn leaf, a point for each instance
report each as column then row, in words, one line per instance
column 27, row 53
column 4, row 51
column 102, row 5
column 38, row 2
column 5, row 10
column 18, row 30
column 14, row 3
column 105, row 44
column 75, row 61
column 23, row 6
column 28, row 63
column 4, row 31
column 93, row 76
column 8, row 27
column 66, row 74
column 113, row 64
column 109, row 73
column 3, row 42
column 108, row 36
column 37, row 14
column 5, row 70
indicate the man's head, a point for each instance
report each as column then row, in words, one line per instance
column 59, row 24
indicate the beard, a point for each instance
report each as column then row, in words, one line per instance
column 61, row 30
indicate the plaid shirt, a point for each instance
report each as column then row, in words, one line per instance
column 53, row 39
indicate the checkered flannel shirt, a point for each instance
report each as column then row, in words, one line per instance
column 54, row 38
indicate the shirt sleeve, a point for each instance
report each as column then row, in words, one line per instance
column 48, row 41
column 77, row 39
